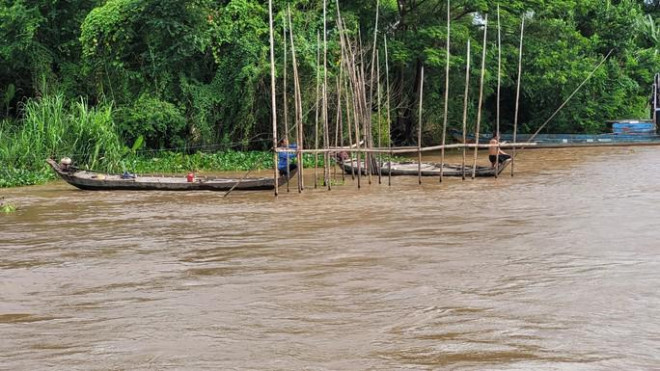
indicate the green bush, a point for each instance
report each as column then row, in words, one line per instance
column 160, row 123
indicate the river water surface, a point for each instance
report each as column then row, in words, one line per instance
column 557, row 268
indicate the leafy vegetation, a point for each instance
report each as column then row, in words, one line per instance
column 53, row 128
column 87, row 79
column 177, row 162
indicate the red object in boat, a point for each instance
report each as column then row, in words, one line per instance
column 190, row 177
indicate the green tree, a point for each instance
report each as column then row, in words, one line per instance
column 40, row 52
column 158, row 48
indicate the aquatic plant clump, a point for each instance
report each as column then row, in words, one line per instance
column 6, row 208
column 173, row 162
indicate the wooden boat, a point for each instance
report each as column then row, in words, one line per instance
column 428, row 169
column 88, row 180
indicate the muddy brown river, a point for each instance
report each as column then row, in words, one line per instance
column 557, row 268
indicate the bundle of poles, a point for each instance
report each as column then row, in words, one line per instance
column 355, row 90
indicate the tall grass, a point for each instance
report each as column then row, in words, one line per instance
column 96, row 141
column 50, row 128
column 42, row 131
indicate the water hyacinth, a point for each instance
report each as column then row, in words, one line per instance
column 6, row 208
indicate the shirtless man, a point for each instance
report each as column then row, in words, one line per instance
column 495, row 154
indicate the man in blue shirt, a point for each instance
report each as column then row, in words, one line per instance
column 284, row 158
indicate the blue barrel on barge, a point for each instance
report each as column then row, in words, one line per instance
column 633, row 127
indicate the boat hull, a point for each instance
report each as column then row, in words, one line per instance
column 91, row 181
column 427, row 169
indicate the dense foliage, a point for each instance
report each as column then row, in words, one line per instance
column 88, row 78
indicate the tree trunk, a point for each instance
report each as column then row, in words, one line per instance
column 403, row 130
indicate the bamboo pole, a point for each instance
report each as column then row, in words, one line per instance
column 481, row 96
column 272, row 93
column 656, row 98
column 654, row 95
column 465, row 103
column 365, row 110
column 342, row 60
column 243, row 178
column 419, row 127
column 356, row 123
column 348, row 127
column 378, row 128
column 499, row 77
column 389, row 129
column 471, row 145
column 570, row 96
column 326, row 136
column 415, row 149
column 298, row 101
column 353, row 81
column 655, row 103
column 349, row 61
column 444, row 123
column 286, row 104
column 369, row 104
column 515, row 117
column 339, row 127
column 316, row 119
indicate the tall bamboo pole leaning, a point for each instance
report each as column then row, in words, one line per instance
column 342, row 82
column 389, row 129
column 465, row 104
column 339, row 127
column 515, row 117
column 499, row 78
column 351, row 65
column 272, row 92
column 419, row 127
column 444, row 123
column 298, row 105
column 481, row 96
column 365, row 109
column 570, row 97
column 349, row 60
column 285, row 103
column 316, row 106
column 326, row 133
column 356, row 120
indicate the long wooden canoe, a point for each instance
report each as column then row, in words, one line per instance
column 88, row 180
column 428, row 169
